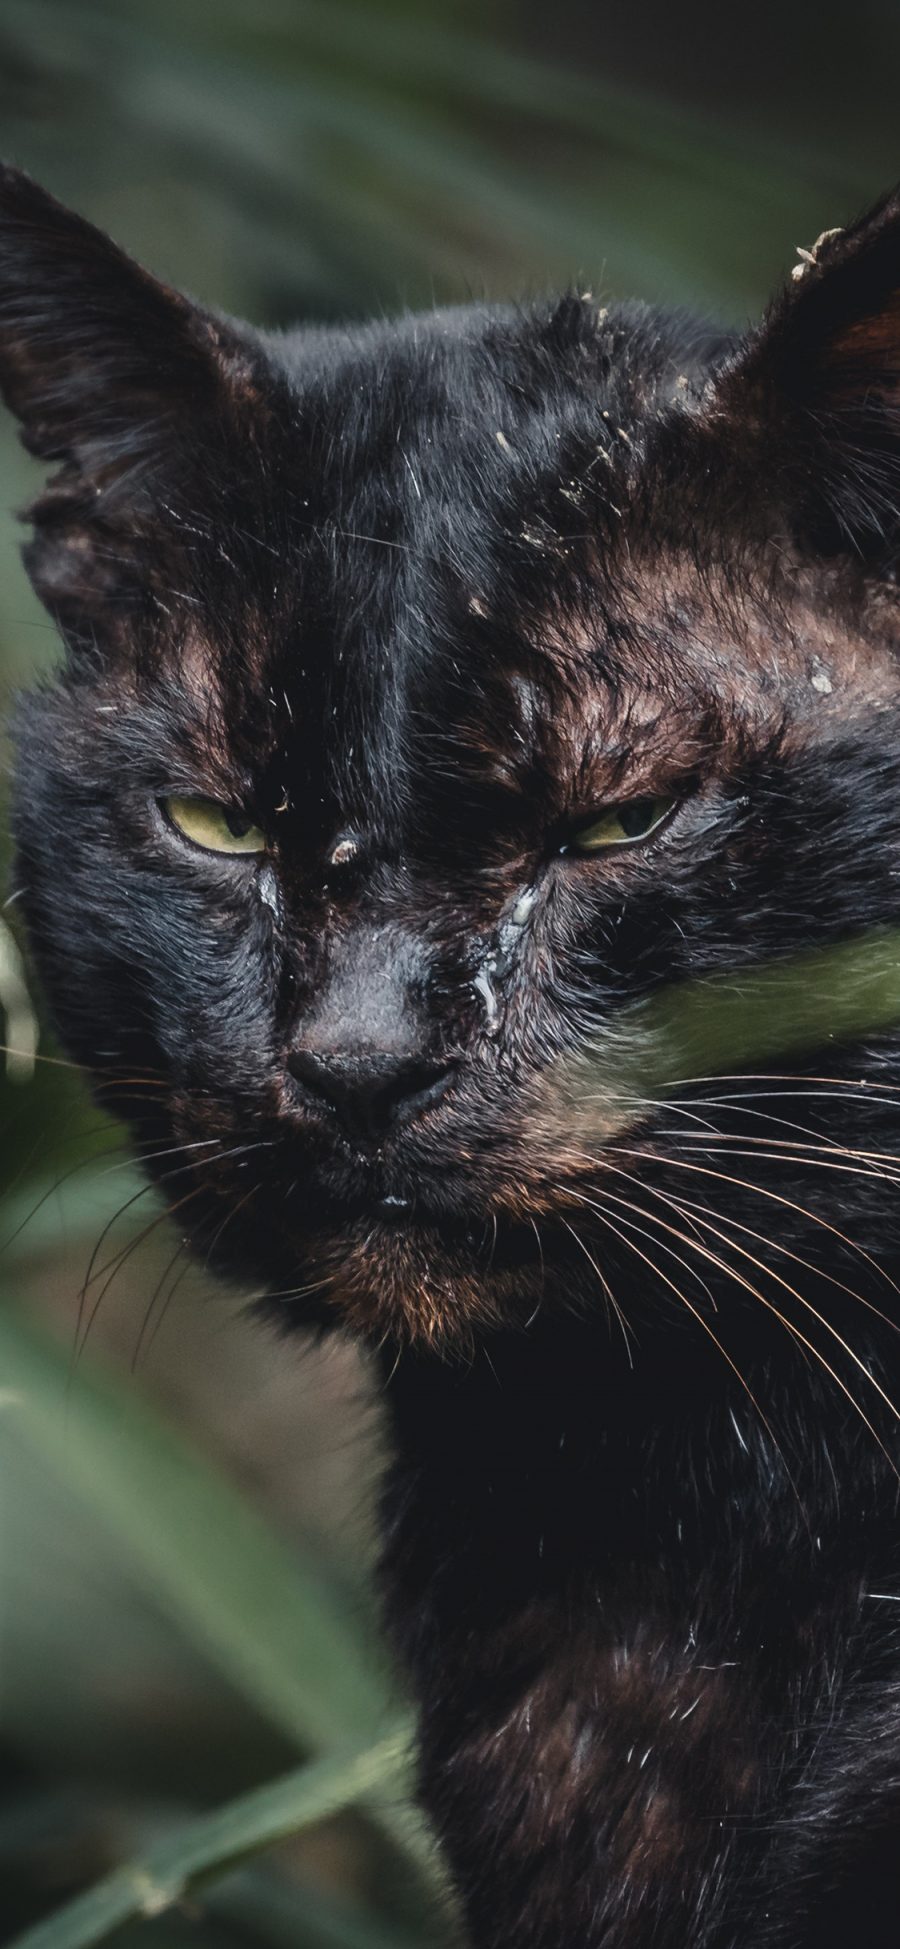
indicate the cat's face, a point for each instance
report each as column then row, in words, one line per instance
column 436, row 693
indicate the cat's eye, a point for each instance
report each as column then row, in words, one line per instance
column 217, row 828
column 621, row 825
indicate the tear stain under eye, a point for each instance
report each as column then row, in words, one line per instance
column 499, row 959
column 483, row 986
column 268, row 889
column 509, row 932
column 524, row 906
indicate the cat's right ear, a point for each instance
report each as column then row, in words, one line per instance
column 121, row 382
column 809, row 404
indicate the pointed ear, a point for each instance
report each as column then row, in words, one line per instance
column 814, row 394
column 117, row 378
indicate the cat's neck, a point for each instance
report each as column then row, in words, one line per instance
column 565, row 1447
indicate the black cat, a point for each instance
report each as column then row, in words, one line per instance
column 443, row 702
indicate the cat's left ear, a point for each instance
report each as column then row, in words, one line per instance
column 133, row 392
column 813, row 397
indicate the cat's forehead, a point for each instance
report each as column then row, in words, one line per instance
column 464, row 467
column 419, row 511
column 470, row 565
column 493, row 391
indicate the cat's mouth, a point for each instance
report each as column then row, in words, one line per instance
column 393, row 1258
column 399, row 1243
column 392, row 1224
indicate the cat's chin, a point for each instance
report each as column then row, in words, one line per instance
column 425, row 1282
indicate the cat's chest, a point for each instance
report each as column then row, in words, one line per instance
column 620, row 1702
column 610, row 1774
column 619, row 1784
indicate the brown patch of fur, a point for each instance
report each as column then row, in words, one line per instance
column 624, row 1729
column 864, row 358
column 394, row 1283
column 704, row 665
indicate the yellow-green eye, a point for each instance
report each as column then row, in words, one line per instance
column 217, row 828
column 621, row 825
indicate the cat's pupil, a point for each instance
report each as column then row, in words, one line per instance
column 638, row 817
column 238, row 824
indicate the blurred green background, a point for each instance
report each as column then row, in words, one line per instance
column 185, row 1507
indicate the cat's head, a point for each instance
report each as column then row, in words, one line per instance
column 434, row 693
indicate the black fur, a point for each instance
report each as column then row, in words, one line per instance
column 419, row 599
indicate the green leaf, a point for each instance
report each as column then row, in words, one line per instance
column 271, row 1620
column 729, row 1025
column 214, row 1843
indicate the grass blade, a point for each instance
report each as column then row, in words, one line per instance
column 272, row 1620
column 217, row 1841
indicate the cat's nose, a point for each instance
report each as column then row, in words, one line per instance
column 370, row 1091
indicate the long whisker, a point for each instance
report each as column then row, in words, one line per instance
column 82, row 1164
column 787, row 1252
column 606, row 1288
column 163, row 1311
column 807, row 1306
column 297, row 1292
column 791, row 1326
column 493, row 1241
column 698, row 1316
column 684, row 1206
column 99, row 1077
column 652, row 1217
column 705, row 1218
column 778, row 1146
column 794, row 1329
column 534, row 1226
column 782, row 1076
column 854, row 1093
column 783, row 1151
column 237, row 1150
column 300, row 1292
column 121, row 1260
column 229, row 1215
column 797, row 1334
column 91, row 1275
column 742, row 1184
column 149, row 1310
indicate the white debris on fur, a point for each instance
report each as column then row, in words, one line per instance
column 483, row 986
column 819, row 678
column 809, row 258
column 343, row 852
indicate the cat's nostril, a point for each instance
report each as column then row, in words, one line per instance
column 370, row 1091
